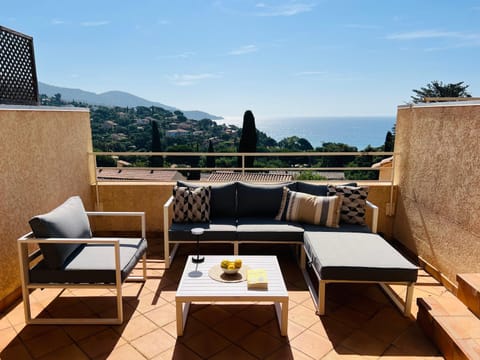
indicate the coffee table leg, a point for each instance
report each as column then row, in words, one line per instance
column 281, row 308
column 182, row 313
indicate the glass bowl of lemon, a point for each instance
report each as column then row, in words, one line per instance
column 231, row 267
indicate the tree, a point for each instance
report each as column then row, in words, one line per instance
column 210, row 159
column 156, row 161
column 248, row 140
column 439, row 89
column 389, row 142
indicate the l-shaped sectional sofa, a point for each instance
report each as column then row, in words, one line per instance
column 242, row 213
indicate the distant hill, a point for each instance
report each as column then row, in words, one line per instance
column 116, row 98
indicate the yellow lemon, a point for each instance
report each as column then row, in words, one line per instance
column 231, row 266
column 224, row 264
column 238, row 263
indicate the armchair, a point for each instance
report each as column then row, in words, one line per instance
column 69, row 257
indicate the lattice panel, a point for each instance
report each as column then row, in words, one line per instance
column 18, row 78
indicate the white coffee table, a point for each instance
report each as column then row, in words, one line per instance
column 196, row 285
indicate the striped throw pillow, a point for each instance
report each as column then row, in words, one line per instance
column 309, row 209
column 191, row 205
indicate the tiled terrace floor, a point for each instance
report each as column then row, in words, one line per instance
column 360, row 323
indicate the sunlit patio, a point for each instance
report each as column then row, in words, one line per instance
column 360, row 321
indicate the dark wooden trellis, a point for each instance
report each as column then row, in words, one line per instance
column 18, row 75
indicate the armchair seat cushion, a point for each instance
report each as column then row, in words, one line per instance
column 268, row 229
column 93, row 263
column 221, row 229
column 357, row 257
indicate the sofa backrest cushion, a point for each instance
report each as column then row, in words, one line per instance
column 223, row 199
column 259, row 200
column 310, row 209
column 68, row 220
column 191, row 205
column 315, row 189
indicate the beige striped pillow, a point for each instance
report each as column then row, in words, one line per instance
column 309, row 209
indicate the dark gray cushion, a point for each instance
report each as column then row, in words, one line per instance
column 259, row 200
column 357, row 256
column 222, row 198
column 69, row 220
column 315, row 189
column 217, row 229
column 266, row 229
column 94, row 263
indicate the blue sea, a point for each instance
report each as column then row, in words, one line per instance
column 359, row 131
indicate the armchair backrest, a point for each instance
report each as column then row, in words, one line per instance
column 68, row 220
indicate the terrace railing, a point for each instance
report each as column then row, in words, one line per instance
column 243, row 169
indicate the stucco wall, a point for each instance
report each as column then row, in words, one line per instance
column 44, row 161
column 437, row 173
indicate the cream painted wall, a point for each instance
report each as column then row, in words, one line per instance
column 44, row 161
column 438, row 178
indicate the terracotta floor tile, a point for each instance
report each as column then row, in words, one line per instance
column 260, row 344
column 126, row 351
column 365, row 305
column 414, row 342
column 178, row 352
column 312, row 344
column 8, row 336
column 153, row 343
column 211, row 315
column 193, row 327
column 331, row 329
column 48, row 342
column 207, row 343
column 363, row 344
column 302, row 316
column 233, row 352
column 299, row 297
column 387, row 325
column 162, row 315
column 258, row 315
column 70, row 352
column 234, row 328
column 135, row 327
column 101, row 343
column 294, row 329
column 393, row 353
column 16, row 352
column 79, row 332
column 348, row 316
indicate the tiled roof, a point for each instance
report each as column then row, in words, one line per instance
column 132, row 174
column 227, row 176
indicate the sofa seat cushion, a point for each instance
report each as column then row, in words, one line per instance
column 268, row 229
column 93, row 263
column 217, row 229
column 357, row 256
column 68, row 220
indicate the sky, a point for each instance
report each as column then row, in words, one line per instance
column 276, row 58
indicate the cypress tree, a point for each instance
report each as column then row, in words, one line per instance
column 156, row 161
column 210, row 159
column 248, row 140
column 389, row 142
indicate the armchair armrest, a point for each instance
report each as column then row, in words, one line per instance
column 166, row 224
column 122, row 213
column 374, row 215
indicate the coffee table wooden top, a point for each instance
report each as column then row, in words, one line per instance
column 196, row 284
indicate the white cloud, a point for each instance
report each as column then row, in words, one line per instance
column 244, row 50
column 95, row 23
column 164, row 22
column 190, row 79
column 287, row 9
column 426, row 34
